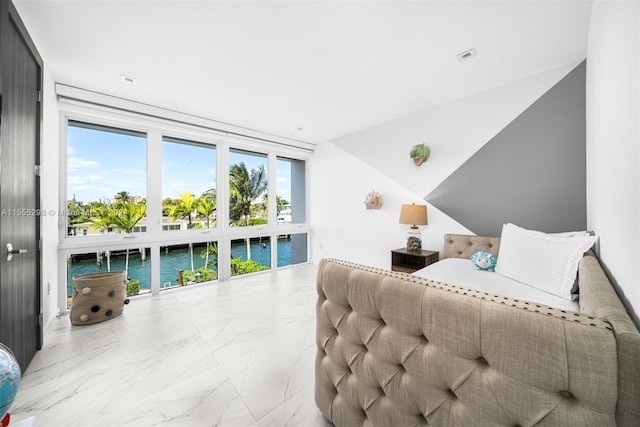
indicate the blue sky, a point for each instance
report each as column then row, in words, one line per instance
column 187, row 168
column 101, row 164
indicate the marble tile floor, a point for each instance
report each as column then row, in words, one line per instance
column 238, row 353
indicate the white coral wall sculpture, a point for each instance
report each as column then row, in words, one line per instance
column 373, row 200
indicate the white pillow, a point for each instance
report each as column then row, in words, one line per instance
column 545, row 261
column 572, row 234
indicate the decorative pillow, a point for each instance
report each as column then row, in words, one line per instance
column 483, row 260
column 574, row 289
column 545, row 261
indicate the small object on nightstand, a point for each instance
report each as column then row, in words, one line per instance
column 410, row 261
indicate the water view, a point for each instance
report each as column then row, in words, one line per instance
column 106, row 195
column 173, row 260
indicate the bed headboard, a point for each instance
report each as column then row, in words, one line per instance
column 463, row 245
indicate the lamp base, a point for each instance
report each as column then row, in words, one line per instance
column 414, row 242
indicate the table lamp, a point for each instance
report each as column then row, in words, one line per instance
column 414, row 215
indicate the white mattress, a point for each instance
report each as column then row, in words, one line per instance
column 460, row 272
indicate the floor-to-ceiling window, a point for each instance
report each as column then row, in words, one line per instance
column 175, row 204
column 188, row 185
column 106, row 180
column 106, row 187
column 249, row 207
column 189, row 202
column 291, row 209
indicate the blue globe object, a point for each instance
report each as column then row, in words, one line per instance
column 9, row 379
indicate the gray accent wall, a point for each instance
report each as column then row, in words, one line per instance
column 532, row 173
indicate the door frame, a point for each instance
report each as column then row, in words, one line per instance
column 10, row 17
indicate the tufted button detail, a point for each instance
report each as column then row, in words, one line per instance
column 566, row 394
column 452, row 394
column 482, row 360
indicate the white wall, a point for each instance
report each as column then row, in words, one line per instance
column 341, row 225
column 342, row 172
column 454, row 131
column 613, row 140
column 49, row 159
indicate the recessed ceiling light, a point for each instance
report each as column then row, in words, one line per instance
column 127, row 79
column 467, row 54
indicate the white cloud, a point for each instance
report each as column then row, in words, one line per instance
column 134, row 172
column 76, row 163
column 76, row 180
column 107, row 191
column 83, row 187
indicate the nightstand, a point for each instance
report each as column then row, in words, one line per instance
column 409, row 261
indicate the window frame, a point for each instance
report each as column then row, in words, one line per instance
column 176, row 233
column 155, row 237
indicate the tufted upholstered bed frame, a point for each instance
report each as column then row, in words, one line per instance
column 400, row 350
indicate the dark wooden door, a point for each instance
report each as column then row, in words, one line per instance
column 20, row 320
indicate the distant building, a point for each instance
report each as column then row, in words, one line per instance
column 87, row 228
column 284, row 217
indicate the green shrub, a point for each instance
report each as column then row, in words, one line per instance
column 252, row 221
column 238, row 267
column 133, row 287
column 199, row 275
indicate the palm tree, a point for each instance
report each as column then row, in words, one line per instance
column 206, row 206
column 121, row 197
column 185, row 208
column 125, row 216
column 244, row 189
column 212, row 249
column 167, row 204
column 102, row 218
column 209, row 194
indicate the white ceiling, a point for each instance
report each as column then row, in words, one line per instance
column 329, row 68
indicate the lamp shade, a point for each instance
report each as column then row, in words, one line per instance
column 413, row 214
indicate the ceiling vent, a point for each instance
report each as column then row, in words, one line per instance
column 467, row 54
column 128, row 79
